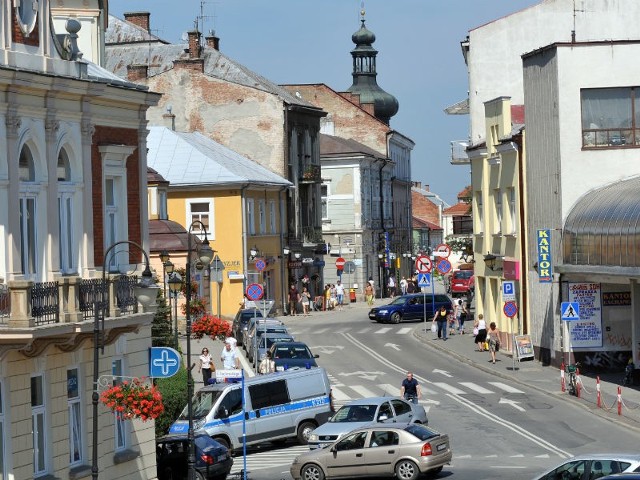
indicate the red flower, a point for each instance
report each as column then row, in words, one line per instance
column 214, row 327
column 128, row 398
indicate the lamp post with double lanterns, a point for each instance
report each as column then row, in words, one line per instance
column 205, row 254
column 175, row 285
column 145, row 292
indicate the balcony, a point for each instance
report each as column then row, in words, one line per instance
column 459, row 152
column 35, row 315
column 312, row 235
column 311, row 174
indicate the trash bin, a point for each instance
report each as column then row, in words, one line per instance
column 352, row 295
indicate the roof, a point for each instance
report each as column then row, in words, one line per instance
column 332, row 145
column 460, row 108
column 420, row 223
column 169, row 235
column 190, row 159
column 125, row 46
column 458, row 209
column 466, row 192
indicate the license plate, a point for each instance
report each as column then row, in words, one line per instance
column 441, row 447
column 222, row 458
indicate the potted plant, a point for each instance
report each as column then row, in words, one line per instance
column 214, row 327
column 133, row 399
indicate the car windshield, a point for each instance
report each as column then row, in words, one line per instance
column 463, row 274
column 203, row 401
column 294, row 351
column 271, row 341
column 420, row 431
column 260, row 330
column 355, row 413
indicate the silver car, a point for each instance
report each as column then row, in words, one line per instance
column 262, row 342
column 593, row 466
column 246, row 339
column 403, row 451
column 365, row 411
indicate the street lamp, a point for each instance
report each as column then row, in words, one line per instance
column 490, row 261
column 205, row 254
column 145, row 293
column 175, row 285
column 164, row 258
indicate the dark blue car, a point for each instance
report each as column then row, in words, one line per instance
column 213, row 460
column 410, row 307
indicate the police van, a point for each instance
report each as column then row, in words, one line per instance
column 277, row 406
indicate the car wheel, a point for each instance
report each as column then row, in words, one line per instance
column 395, row 317
column 224, row 442
column 312, row 472
column 407, row 470
column 304, row 430
column 198, row 475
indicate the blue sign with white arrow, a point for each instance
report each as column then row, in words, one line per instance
column 424, row 280
column 163, row 362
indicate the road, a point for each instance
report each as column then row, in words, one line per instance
column 509, row 430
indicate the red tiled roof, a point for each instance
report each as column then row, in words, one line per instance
column 419, row 223
column 458, row 209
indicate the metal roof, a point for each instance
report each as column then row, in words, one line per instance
column 603, row 228
column 191, row 159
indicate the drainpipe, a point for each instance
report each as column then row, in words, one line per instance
column 245, row 264
column 284, row 259
column 384, row 269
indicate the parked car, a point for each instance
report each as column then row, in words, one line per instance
column 260, row 344
column 462, row 282
column 364, row 411
column 292, row 354
column 261, row 322
column 403, row 451
column 622, row 476
column 587, row 467
column 410, row 307
column 213, row 461
column 241, row 320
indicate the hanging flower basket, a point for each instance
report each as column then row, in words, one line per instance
column 134, row 399
column 214, row 327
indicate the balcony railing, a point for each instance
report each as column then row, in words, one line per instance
column 5, row 303
column 312, row 235
column 311, row 174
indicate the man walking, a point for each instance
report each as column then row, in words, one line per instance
column 410, row 389
column 339, row 294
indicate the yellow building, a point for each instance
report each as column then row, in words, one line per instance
column 499, row 218
column 241, row 203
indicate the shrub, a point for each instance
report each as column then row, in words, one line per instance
column 174, row 395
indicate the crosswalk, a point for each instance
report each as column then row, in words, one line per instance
column 376, row 330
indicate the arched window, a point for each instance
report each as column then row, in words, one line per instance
column 65, row 213
column 27, row 212
column 25, row 165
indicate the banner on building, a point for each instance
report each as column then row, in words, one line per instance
column 586, row 332
column 545, row 270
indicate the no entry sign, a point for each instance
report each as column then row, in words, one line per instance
column 340, row 263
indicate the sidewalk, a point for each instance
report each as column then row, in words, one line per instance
column 532, row 373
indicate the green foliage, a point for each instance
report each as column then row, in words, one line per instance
column 174, row 396
column 161, row 329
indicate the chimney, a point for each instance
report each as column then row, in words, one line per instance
column 141, row 19
column 169, row 119
column 136, row 72
column 213, row 42
column 194, row 44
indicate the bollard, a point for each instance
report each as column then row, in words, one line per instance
column 578, row 382
column 619, row 401
column 599, row 402
column 562, row 386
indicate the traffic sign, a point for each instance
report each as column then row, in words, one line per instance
column 423, row 264
column 510, row 309
column 508, row 291
column 443, row 266
column 254, row 291
column 570, row 311
column 163, row 362
column 349, row 267
column 424, row 280
column 443, row 250
column 216, row 264
column 340, row 263
column 260, row 264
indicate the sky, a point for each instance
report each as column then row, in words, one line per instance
column 309, row 41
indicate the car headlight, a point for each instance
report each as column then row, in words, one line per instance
column 313, row 437
column 383, row 311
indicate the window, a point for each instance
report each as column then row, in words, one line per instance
column 272, row 217
column 201, row 209
column 324, row 189
column 76, row 455
column 251, row 219
column 27, row 207
column 38, row 425
column 262, row 217
column 610, row 117
column 479, row 212
column 117, row 370
column 65, row 213
column 497, row 195
column 511, row 192
column 162, row 205
column 400, row 407
column 269, row 394
column 111, row 213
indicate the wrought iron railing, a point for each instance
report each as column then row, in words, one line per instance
column 311, row 174
column 92, row 294
column 125, row 297
column 45, row 303
column 312, row 234
column 5, row 303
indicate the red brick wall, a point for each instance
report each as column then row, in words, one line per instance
column 196, row 65
column 141, row 19
column 116, row 136
column 137, row 72
column 32, row 40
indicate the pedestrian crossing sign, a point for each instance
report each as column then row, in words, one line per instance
column 570, row 311
column 424, row 280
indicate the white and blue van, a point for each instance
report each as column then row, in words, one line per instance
column 278, row 406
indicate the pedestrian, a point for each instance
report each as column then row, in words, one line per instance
column 391, row 286
column 441, row 320
column 368, row 294
column 494, row 340
column 410, row 389
column 229, row 358
column 305, row 300
column 480, row 331
column 455, row 318
column 411, row 286
column 340, row 294
column 463, row 317
column 206, row 366
column 333, row 296
column 294, row 298
column 403, row 286
column 267, row 365
column 327, row 297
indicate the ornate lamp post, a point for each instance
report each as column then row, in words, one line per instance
column 175, row 285
column 205, row 254
column 145, row 293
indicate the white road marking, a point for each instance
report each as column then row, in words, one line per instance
column 383, row 330
column 505, row 387
column 389, row 389
column 362, row 391
column 404, row 331
column 448, row 388
column 339, row 395
column 475, row 387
